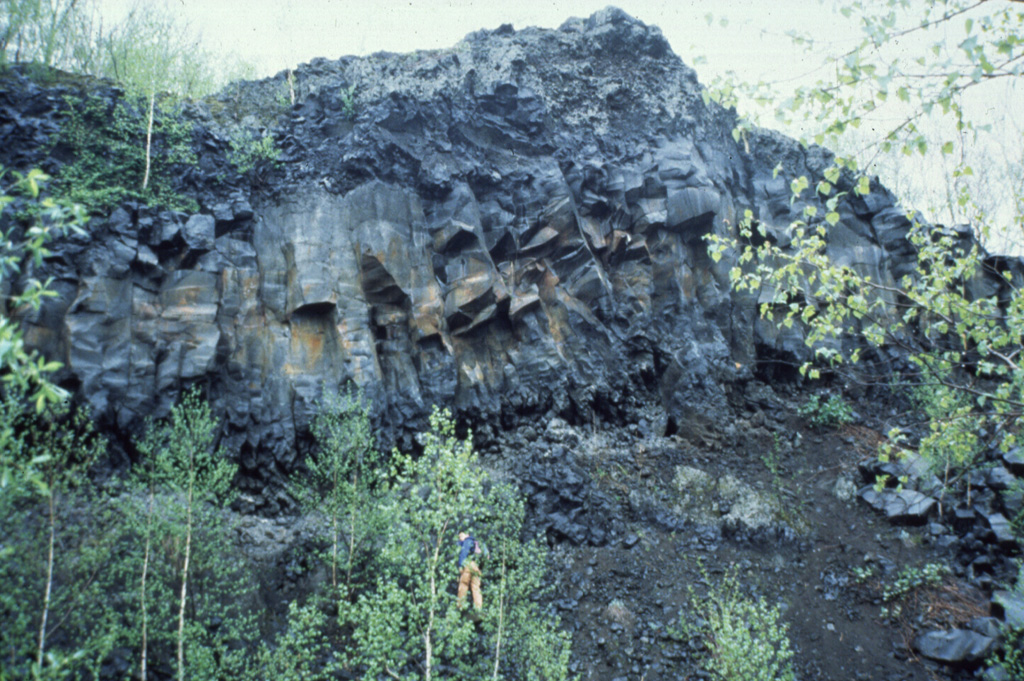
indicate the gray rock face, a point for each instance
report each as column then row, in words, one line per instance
column 512, row 227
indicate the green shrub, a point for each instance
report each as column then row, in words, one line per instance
column 343, row 485
column 253, row 156
column 302, row 652
column 894, row 592
column 745, row 638
column 144, row 576
column 107, row 146
column 831, row 413
column 185, row 460
column 29, row 219
column 53, row 562
column 406, row 624
column 952, row 444
column 90, row 577
column 348, row 102
column 911, row 578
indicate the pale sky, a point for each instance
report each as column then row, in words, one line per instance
column 279, row 34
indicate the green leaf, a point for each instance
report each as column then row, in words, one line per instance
column 798, row 185
column 832, row 218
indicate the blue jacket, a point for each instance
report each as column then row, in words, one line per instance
column 465, row 549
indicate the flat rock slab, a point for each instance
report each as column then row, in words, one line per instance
column 1014, row 461
column 1002, row 529
column 904, row 507
column 954, row 647
column 1000, row 478
column 913, row 467
column 1011, row 605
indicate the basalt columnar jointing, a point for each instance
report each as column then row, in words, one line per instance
column 512, row 227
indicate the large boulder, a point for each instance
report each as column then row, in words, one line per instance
column 956, row 647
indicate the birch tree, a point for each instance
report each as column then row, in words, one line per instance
column 406, row 623
column 958, row 317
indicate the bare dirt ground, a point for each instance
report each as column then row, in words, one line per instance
column 624, row 601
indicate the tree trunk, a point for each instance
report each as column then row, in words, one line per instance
column 184, row 583
column 149, row 138
column 428, row 642
column 351, row 548
column 142, row 587
column 428, row 645
column 352, row 529
column 334, row 552
column 335, row 503
column 501, row 622
column 49, row 589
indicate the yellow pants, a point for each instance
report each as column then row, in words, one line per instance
column 469, row 578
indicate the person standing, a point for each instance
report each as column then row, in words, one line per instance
column 469, row 571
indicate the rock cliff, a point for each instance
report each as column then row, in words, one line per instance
column 512, row 227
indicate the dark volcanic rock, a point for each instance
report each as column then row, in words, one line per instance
column 904, row 507
column 1002, row 529
column 513, row 227
column 1010, row 604
column 954, row 647
column 1014, row 460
